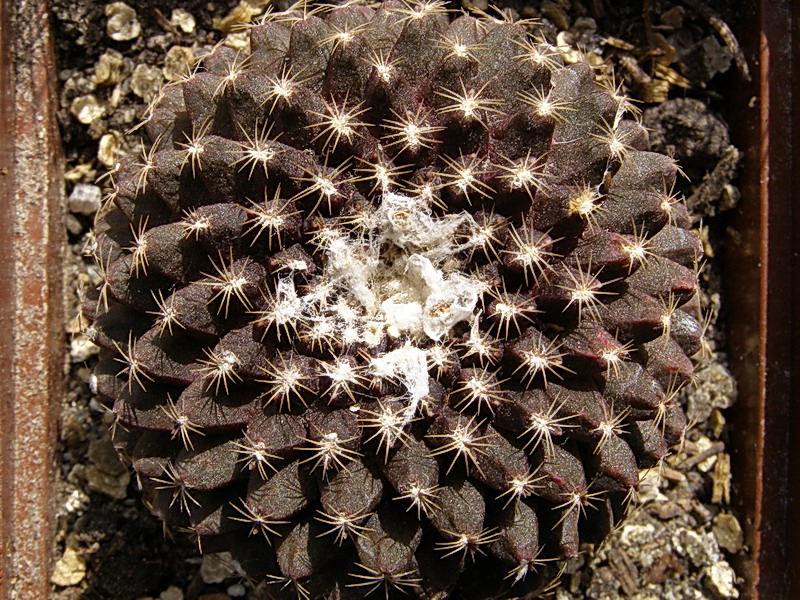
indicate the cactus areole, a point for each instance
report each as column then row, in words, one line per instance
column 396, row 303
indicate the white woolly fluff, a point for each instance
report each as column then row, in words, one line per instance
column 449, row 299
column 391, row 278
column 407, row 223
column 409, row 365
column 392, row 273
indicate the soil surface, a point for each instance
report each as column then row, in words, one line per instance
column 677, row 57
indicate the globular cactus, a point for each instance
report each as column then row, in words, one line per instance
column 397, row 302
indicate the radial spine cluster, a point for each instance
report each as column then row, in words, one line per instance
column 395, row 304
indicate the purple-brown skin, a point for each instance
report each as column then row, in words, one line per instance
column 264, row 422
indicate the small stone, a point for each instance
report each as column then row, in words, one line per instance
column 86, row 109
column 76, row 502
column 97, row 129
column 715, row 388
column 666, row 510
column 183, row 20
column 103, row 455
column 171, row 593
column 237, row 590
column 123, row 24
column 84, row 373
column 108, row 149
column 146, row 81
column 81, row 348
column 106, row 473
column 216, row 568
column 74, row 226
column 241, row 14
column 69, row 570
column 85, row 199
column 110, row 485
column 721, row 580
column 701, row 548
column 728, row 532
column 178, row 62
column 717, row 57
column 109, row 70
column 73, row 428
column 637, row 535
column 81, row 172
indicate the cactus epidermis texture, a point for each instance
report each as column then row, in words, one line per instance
column 397, row 302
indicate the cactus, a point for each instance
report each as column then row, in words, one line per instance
column 397, row 302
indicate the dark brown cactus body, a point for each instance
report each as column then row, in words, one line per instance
column 396, row 301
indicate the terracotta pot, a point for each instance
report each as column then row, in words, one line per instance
column 31, row 301
column 761, row 274
column 762, row 277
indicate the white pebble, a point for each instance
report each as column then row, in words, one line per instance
column 108, row 149
column 700, row 547
column 85, row 199
column 721, row 580
column 109, row 70
column 86, row 109
column 69, row 570
column 123, row 24
column 146, row 81
column 183, row 20
column 171, row 593
column 217, row 567
column 82, row 348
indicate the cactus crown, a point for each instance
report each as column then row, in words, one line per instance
column 395, row 302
